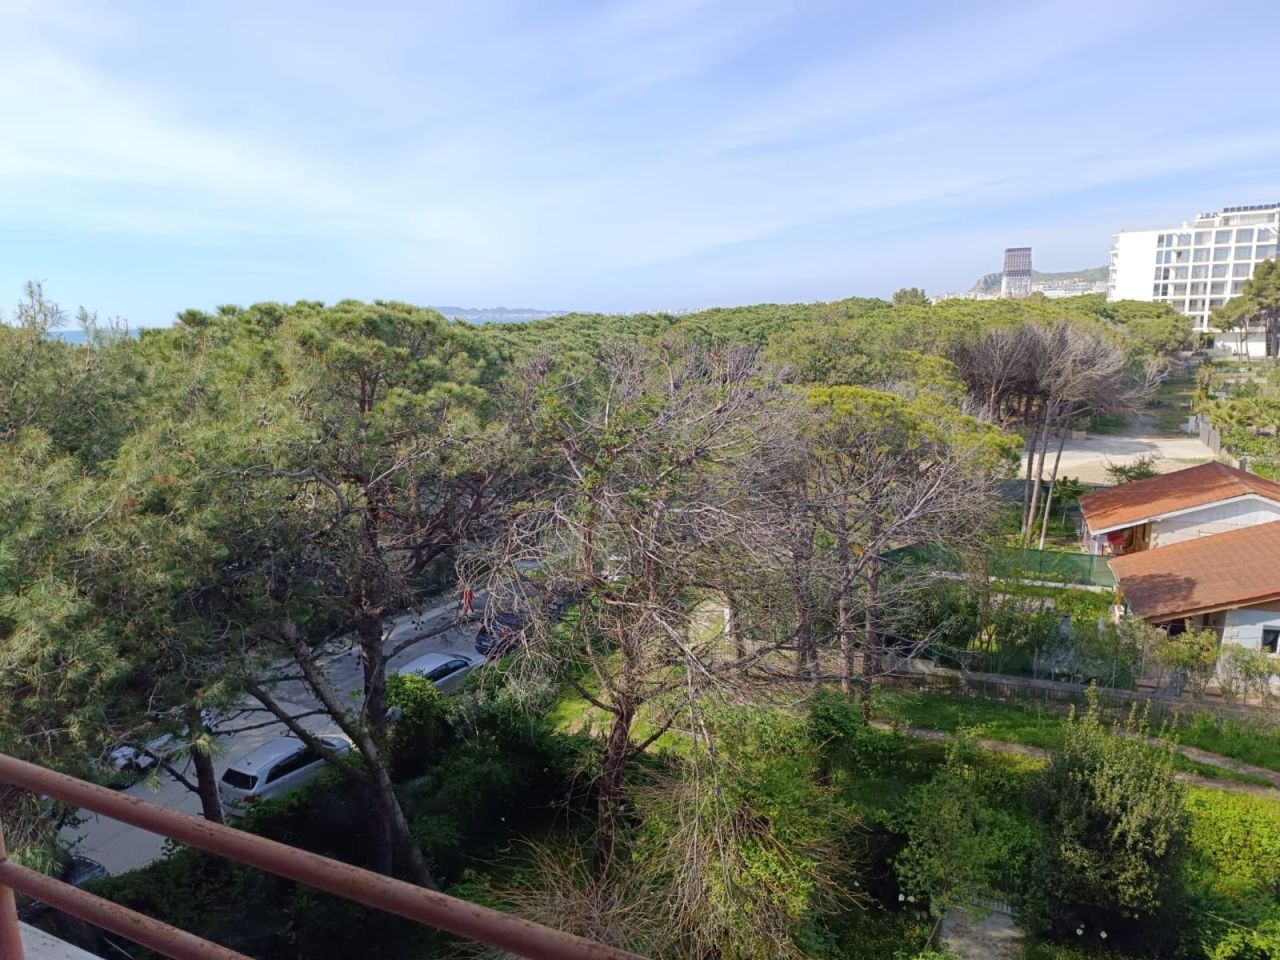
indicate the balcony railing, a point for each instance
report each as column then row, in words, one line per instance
column 470, row 921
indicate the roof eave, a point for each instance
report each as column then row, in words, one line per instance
column 1207, row 608
column 1179, row 512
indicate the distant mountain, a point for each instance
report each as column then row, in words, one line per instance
column 990, row 282
column 497, row 314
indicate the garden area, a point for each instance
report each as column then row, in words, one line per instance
column 874, row 833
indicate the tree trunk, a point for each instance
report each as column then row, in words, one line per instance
column 1033, row 444
column 206, row 779
column 373, row 662
column 382, row 848
column 806, row 642
column 376, row 773
column 844, row 628
column 733, row 626
column 1039, row 457
column 871, row 650
column 609, row 798
column 1053, row 480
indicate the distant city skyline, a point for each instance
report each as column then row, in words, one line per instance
column 611, row 157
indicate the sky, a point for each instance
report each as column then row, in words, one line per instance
column 606, row 156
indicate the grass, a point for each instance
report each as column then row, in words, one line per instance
column 1108, row 425
column 1170, row 405
column 1012, row 723
column 1248, row 743
column 1032, row 725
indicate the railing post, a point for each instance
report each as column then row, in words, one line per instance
column 10, row 934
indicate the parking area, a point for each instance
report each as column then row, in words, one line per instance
column 120, row 847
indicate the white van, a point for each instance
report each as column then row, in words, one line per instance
column 274, row 769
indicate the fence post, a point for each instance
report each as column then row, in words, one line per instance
column 10, row 933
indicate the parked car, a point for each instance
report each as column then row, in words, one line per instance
column 274, row 769
column 77, row 871
column 127, row 758
column 497, row 636
column 446, row 671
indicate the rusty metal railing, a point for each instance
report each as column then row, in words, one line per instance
column 470, row 921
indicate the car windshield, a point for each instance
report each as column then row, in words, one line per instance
column 239, row 780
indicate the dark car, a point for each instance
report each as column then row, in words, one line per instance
column 497, row 636
column 77, row 871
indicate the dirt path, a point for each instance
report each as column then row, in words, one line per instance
column 1191, row 753
column 993, row 937
column 1089, row 458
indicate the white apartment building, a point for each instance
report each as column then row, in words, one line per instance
column 1197, row 266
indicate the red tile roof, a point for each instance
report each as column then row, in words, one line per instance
column 1141, row 500
column 1198, row 576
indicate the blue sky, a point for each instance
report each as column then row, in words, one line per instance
column 608, row 156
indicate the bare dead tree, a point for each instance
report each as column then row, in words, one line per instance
column 638, row 517
column 1047, row 377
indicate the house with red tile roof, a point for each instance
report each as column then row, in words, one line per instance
column 1189, row 504
column 1199, row 545
column 1229, row 581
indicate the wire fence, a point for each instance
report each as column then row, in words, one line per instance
column 1014, row 563
column 924, row 676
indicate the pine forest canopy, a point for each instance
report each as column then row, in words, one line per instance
column 193, row 516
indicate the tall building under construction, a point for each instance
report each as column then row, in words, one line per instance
column 1015, row 281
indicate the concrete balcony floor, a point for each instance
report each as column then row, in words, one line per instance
column 41, row 946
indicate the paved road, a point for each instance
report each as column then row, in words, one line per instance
column 120, row 847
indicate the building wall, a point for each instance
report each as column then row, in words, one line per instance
column 1133, row 264
column 1244, row 627
column 1215, row 518
column 1196, row 267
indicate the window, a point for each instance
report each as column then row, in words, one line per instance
column 240, row 781
column 446, row 670
column 1270, row 639
column 1221, row 253
column 1216, row 302
column 1218, row 288
column 1219, row 270
column 1198, row 289
column 1202, row 237
column 1242, row 270
column 1266, row 251
column 1179, row 273
column 1195, row 305
column 1222, row 236
column 1244, row 253
column 1237, row 286
column 1244, row 236
column 1201, row 255
column 291, row 765
column 1184, row 239
column 1199, row 273
column 1180, row 290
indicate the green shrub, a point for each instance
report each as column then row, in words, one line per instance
column 423, row 731
column 746, row 836
column 1233, row 876
column 1116, row 831
column 960, row 843
column 839, row 729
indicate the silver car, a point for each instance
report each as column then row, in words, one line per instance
column 274, row 769
column 128, row 758
column 446, row 671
